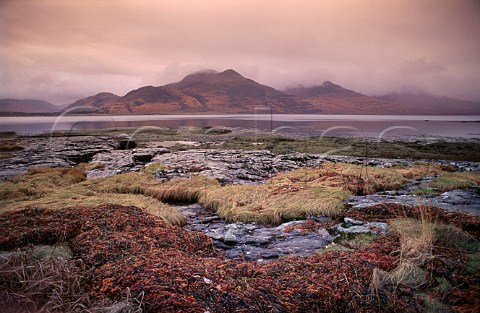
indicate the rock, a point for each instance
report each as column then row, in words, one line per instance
column 53, row 152
column 233, row 233
column 351, row 221
column 464, row 200
column 145, row 155
column 371, row 228
column 126, row 144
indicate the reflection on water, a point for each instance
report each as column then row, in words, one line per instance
column 331, row 125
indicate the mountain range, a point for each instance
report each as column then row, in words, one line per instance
column 228, row 92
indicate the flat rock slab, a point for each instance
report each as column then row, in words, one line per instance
column 466, row 201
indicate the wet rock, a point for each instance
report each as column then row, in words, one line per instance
column 251, row 241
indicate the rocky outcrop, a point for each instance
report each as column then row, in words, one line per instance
column 122, row 161
column 53, row 152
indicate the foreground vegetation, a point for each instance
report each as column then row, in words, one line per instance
column 135, row 260
column 112, row 244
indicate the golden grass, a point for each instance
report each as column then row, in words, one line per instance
column 420, row 170
column 80, row 196
column 269, row 204
column 39, row 181
column 61, row 188
column 91, row 166
column 416, row 239
column 183, row 189
column 352, row 178
column 297, row 194
column 134, row 183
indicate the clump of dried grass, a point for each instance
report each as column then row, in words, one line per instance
column 124, row 189
column 48, row 279
column 418, row 238
column 183, row 190
column 273, row 204
column 153, row 168
column 132, row 183
column 91, row 166
column 352, row 178
column 420, row 170
column 38, row 181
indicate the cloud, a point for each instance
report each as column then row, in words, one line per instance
column 61, row 50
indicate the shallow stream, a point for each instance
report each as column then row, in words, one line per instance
column 252, row 241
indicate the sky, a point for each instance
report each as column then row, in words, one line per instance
column 61, row 51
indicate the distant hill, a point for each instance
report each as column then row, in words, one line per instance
column 27, row 106
column 334, row 99
column 92, row 104
column 228, row 92
column 208, row 92
column 427, row 104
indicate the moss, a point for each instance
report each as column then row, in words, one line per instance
column 424, row 192
column 154, row 167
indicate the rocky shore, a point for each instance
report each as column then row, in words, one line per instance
column 368, row 235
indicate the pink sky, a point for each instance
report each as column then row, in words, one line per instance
column 61, row 50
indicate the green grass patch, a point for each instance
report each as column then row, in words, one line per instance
column 452, row 181
column 424, row 192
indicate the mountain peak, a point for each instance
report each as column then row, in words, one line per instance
column 231, row 73
column 328, row 83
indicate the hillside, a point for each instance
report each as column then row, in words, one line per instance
column 334, row 99
column 92, row 104
column 27, row 106
column 428, row 104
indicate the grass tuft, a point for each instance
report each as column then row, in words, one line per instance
column 10, row 145
column 48, row 279
column 39, row 181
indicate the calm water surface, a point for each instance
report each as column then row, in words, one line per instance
column 333, row 125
